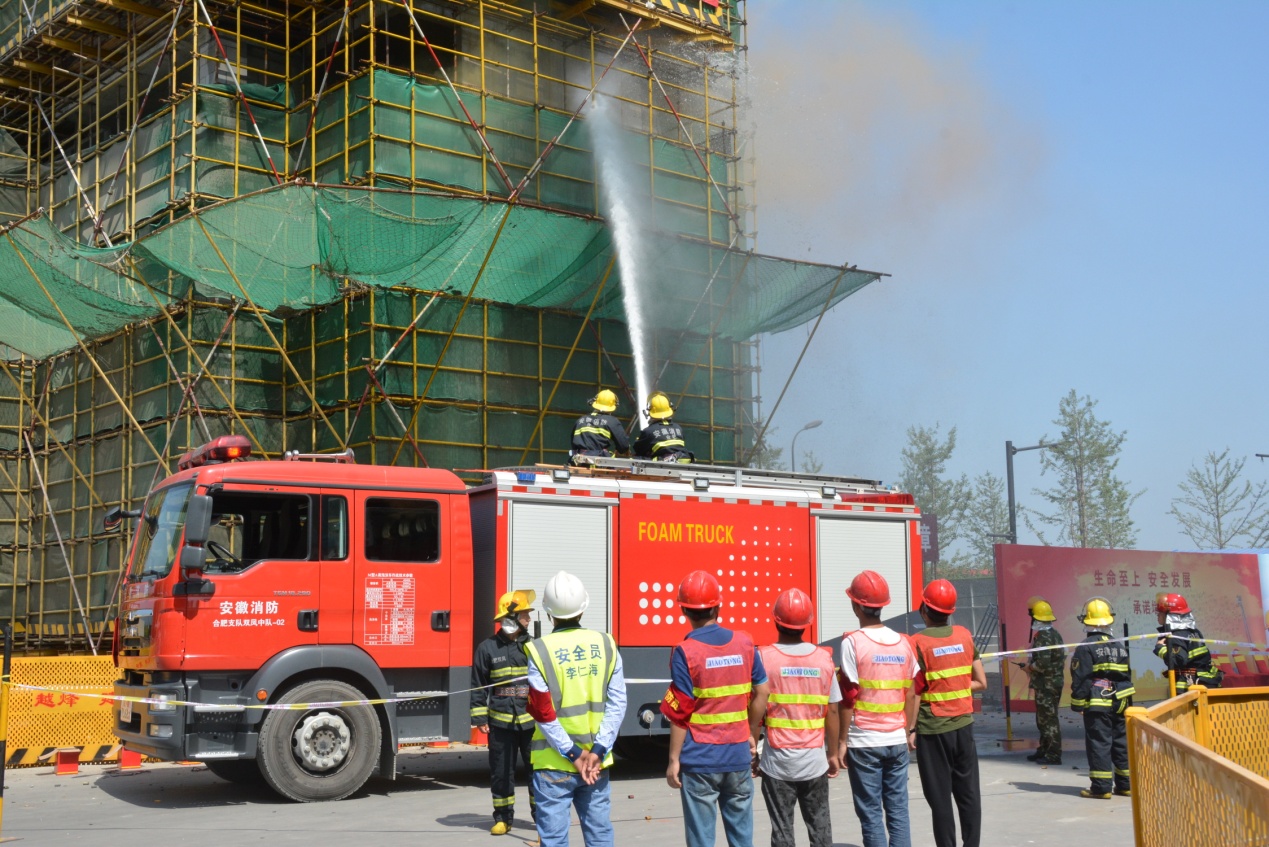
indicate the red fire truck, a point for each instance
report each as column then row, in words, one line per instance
column 312, row 581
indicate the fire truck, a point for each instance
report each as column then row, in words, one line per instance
column 267, row 600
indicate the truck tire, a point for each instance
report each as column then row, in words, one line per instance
column 323, row 753
column 239, row 771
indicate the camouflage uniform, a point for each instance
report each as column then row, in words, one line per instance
column 1047, row 680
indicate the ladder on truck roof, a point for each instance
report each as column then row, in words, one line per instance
column 727, row 475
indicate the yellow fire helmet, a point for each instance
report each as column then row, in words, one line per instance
column 604, row 401
column 1042, row 611
column 659, row 407
column 515, row 602
column 1097, row 612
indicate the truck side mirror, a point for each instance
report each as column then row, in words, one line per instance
column 193, row 560
column 198, row 515
column 113, row 519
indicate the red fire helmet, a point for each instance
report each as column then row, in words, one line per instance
column 794, row 610
column 940, row 595
column 1173, row 604
column 870, row 589
column 700, row 590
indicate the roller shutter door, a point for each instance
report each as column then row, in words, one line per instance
column 847, row 546
column 547, row 538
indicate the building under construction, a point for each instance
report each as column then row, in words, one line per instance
column 360, row 224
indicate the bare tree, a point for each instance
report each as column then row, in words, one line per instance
column 1218, row 509
column 986, row 519
column 1091, row 504
column 924, row 476
column 810, row 463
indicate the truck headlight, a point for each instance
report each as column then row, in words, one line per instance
column 163, row 704
column 160, row 731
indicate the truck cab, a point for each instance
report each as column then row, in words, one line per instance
column 254, row 586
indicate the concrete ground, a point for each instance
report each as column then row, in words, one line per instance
column 443, row 795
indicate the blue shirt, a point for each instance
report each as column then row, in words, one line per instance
column 711, row 758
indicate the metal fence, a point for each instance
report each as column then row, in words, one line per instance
column 1200, row 764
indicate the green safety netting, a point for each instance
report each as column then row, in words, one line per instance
column 295, row 246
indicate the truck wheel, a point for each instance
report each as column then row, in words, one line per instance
column 240, row 771
column 323, row 753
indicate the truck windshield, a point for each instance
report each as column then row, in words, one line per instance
column 159, row 535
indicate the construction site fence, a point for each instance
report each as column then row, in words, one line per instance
column 1200, row 769
column 61, row 710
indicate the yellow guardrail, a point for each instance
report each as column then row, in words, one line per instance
column 1200, row 769
column 61, row 710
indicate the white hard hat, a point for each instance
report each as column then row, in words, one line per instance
column 565, row 596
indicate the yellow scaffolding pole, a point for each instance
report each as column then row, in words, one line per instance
column 259, row 313
column 569, row 358
column 84, row 348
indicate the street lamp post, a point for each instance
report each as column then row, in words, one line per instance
column 793, row 456
column 1013, row 511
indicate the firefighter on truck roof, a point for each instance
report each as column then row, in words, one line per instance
column 662, row 439
column 599, row 433
column 500, row 703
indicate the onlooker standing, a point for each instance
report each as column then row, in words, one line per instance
column 577, row 695
column 801, row 713
column 950, row 674
column 715, row 704
column 878, row 706
column 1047, row 670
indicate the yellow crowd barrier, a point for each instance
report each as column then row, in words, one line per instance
column 70, row 714
column 1200, row 769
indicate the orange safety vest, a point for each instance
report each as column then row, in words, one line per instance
column 949, row 666
column 800, row 687
column 885, row 674
column 722, row 679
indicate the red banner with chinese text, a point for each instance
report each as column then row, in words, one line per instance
column 1223, row 589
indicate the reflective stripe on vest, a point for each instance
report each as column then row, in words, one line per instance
column 947, row 676
column 722, row 678
column 885, row 674
column 800, row 687
column 577, row 665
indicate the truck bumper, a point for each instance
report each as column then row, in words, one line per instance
column 156, row 732
column 179, row 733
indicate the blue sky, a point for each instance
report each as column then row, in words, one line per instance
column 1067, row 196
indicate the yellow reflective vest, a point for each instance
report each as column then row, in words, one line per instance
column 577, row 665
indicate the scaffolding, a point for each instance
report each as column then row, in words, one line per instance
column 161, row 110
column 362, row 224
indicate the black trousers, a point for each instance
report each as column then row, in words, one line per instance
column 1106, row 743
column 783, row 797
column 504, row 746
column 948, row 764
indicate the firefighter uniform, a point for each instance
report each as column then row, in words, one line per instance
column 1101, row 690
column 501, row 701
column 1047, row 678
column 1182, row 650
column 663, row 441
column 598, row 434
